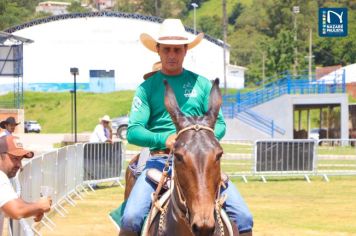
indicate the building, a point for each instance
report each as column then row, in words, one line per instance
column 54, row 8
column 104, row 4
column 110, row 40
column 102, row 81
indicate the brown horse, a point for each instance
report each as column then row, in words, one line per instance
column 191, row 209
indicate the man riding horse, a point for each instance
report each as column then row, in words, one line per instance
column 151, row 125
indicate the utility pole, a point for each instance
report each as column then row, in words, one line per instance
column 195, row 17
column 225, row 38
column 156, row 8
column 310, row 54
column 263, row 68
column 295, row 66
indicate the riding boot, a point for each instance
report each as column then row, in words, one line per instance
column 127, row 233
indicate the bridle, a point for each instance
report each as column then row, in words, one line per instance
column 179, row 205
column 196, row 128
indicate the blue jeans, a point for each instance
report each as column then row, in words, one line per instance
column 139, row 202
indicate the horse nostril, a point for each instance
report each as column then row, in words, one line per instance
column 202, row 230
column 195, row 228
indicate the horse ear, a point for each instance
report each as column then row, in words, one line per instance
column 172, row 106
column 215, row 101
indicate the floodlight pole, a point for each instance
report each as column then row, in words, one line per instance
column 225, row 39
column 74, row 71
column 71, row 113
column 295, row 66
column 195, row 16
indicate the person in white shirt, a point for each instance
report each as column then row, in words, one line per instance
column 11, row 205
column 8, row 125
column 102, row 132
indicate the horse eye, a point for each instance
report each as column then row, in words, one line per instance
column 178, row 157
column 218, row 156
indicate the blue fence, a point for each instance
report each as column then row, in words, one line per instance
column 239, row 105
column 285, row 85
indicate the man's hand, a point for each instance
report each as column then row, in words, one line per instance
column 170, row 141
column 38, row 217
column 45, row 204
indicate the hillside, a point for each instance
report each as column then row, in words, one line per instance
column 257, row 29
column 53, row 110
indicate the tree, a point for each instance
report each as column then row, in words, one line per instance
column 237, row 9
column 280, row 53
column 211, row 26
column 76, row 7
column 12, row 14
column 164, row 9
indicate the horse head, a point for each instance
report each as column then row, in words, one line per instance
column 197, row 155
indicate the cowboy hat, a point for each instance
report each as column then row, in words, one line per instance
column 172, row 32
column 155, row 67
column 105, row 118
column 9, row 120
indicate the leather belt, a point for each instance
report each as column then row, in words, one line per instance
column 160, row 152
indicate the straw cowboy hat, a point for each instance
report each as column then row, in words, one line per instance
column 9, row 120
column 171, row 32
column 155, row 67
column 105, row 118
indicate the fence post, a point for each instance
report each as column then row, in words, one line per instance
column 288, row 83
column 343, row 81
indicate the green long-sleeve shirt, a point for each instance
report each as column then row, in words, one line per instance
column 150, row 124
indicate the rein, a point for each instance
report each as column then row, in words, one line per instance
column 179, row 205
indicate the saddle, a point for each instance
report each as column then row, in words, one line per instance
column 155, row 175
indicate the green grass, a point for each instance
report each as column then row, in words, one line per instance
column 347, row 150
column 352, row 99
column 237, row 148
column 282, row 206
column 131, row 147
column 248, row 149
column 53, row 110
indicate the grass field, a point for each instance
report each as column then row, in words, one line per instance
column 53, row 110
column 247, row 148
column 280, row 207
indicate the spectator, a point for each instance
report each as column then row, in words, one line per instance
column 11, row 205
column 8, row 125
column 101, row 132
column 155, row 68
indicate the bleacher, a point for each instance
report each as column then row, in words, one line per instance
column 241, row 104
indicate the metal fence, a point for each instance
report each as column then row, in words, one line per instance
column 63, row 170
column 68, row 169
column 305, row 158
column 103, row 162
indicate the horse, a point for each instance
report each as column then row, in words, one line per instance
column 193, row 207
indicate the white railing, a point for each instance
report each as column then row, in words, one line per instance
column 64, row 170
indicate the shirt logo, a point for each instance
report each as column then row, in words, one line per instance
column 332, row 22
column 189, row 92
column 136, row 104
